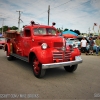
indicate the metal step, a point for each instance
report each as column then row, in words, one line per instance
column 20, row 57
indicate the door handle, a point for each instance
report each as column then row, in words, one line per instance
column 32, row 40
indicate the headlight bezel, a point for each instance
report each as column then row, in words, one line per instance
column 44, row 46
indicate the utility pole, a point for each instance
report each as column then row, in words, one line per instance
column 2, row 25
column 19, row 20
column 89, row 31
column 48, row 13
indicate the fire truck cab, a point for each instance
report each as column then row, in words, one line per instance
column 41, row 46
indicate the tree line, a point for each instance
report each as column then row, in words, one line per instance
column 5, row 28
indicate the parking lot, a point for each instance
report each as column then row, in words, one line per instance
column 16, row 77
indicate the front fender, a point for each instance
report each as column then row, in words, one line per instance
column 44, row 56
column 75, row 52
column 7, row 48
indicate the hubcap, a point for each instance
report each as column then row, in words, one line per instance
column 36, row 66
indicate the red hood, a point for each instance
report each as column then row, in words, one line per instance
column 49, row 38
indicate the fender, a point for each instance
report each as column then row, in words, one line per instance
column 8, row 48
column 44, row 56
column 75, row 52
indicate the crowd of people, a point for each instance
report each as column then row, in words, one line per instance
column 91, row 44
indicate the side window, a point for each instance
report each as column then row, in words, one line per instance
column 27, row 33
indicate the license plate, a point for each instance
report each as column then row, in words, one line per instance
column 78, row 58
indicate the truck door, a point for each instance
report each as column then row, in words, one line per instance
column 27, row 41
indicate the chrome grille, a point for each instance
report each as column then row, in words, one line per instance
column 63, row 56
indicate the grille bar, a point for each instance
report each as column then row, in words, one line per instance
column 64, row 56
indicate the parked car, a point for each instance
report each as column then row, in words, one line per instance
column 73, row 41
column 2, row 42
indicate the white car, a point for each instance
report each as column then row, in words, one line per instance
column 73, row 41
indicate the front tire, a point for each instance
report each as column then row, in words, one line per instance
column 70, row 68
column 9, row 57
column 37, row 68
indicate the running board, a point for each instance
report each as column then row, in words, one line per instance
column 20, row 57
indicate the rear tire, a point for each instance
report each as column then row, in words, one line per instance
column 37, row 68
column 70, row 68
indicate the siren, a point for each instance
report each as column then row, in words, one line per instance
column 53, row 24
column 32, row 22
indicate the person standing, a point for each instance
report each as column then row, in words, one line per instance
column 83, row 45
column 91, row 46
column 97, row 42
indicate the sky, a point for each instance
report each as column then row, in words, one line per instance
column 71, row 14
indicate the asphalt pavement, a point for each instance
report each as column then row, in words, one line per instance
column 18, row 82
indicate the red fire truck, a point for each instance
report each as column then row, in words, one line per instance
column 42, row 47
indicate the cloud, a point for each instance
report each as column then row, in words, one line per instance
column 72, row 14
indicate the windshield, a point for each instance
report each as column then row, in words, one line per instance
column 44, row 31
column 2, row 39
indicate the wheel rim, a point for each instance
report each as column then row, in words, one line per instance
column 36, row 67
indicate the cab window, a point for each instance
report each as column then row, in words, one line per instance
column 44, row 31
column 51, row 31
column 39, row 31
column 27, row 33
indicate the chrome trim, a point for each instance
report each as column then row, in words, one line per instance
column 61, row 55
column 60, row 64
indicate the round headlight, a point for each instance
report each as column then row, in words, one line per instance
column 44, row 46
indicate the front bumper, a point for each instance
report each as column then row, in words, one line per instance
column 77, row 60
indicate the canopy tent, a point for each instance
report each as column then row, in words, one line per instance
column 69, row 34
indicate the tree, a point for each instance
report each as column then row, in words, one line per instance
column 14, row 28
column 0, row 30
column 77, row 31
column 5, row 28
column 71, row 30
column 65, row 29
column 59, row 30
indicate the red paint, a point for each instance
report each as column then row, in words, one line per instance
column 29, row 41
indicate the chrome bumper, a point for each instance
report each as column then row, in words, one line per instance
column 77, row 60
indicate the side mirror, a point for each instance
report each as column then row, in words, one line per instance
column 58, row 33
